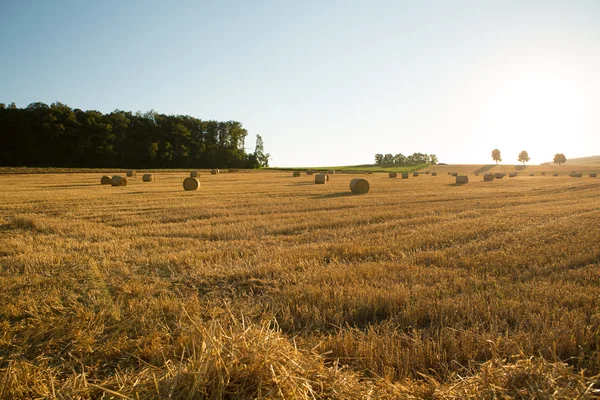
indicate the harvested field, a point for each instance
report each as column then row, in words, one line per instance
column 263, row 285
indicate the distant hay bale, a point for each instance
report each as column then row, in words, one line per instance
column 405, row 175
column 543, row 173
column 369, row 172
column 321, row 178
column 499, row 175
column 194, row 174
column 148, row 178
column 512, row 175
column 309, row 172
column 576, row 175
column 393, row 174
column 105, row 180
column 434, row 174
column 531, row 174
column 455, row 174
column 359, row 186
column 214, row 171
column 131, row 173
column 488, row 177
column 427, row 172
column 462, row 179
column 449, row 173
column 118, row 181
column 234, row 170
column 296, row 174
column 331, row 172
column 191, row 184
column 593, row 175
column 415, row 174
column 477, row 174
column 555, row 175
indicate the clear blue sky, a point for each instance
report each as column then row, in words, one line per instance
column 326, row 82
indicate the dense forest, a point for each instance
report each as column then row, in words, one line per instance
column 58, row 136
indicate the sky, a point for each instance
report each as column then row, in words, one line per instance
column 326, row 83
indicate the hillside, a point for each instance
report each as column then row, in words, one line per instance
column 592, row 160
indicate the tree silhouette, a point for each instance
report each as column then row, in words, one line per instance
column 523, row 157
column 559, row 158
column 496, row 155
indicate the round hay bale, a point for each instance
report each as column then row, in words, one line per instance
column 393, row 174
column 359, row 186
column 369, row 172
column 499, row 175
column 194, row 174
column 405, row 175
column 131, row 173
column 543, row 173
column 105, row 180
column 415, row 174
column 426, row 172
column 321, row 178
column 118, row 181
column 477, row 174
column 191, row 184
column 148, row 178
column 234, row 170
column 512, row 175
column 214, row 171
column 449, row 173
column 593, row 175
column 576, row 175
column 555, row 175
column 296, row 174
column 309, row 172
column 455, row 174
column 488, row 177
column 331, row 172
column 531, row 174
column 434, row 174
column 462, row 179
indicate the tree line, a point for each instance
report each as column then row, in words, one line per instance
column 58, row 136
column 400, row 159
column 523, row 157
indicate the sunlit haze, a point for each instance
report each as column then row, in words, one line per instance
column 326, row 83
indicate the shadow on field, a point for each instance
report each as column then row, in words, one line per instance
column 302, row 183
column 485, row 168
column 334, row 195
column 72, row 186
column 456, row 184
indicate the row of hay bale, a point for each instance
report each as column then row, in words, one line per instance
column 117, row 180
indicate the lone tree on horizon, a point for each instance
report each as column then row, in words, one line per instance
column 496, row 156
column 560, row 159
column 523, row 157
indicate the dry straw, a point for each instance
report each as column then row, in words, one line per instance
column 118, row 181
column 296, row 174
column 359, row 186
column 148, row 178
column 462, row 179
column 105, row 180
column 191, row 184
column 131, row 173
column 321, row 178
column 393, row 174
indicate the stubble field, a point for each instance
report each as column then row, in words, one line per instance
column 261, row 285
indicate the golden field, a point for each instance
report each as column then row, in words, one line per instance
column 261, row 285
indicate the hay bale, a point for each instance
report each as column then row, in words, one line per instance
column 488, row 177
column 593, row 175
column 434, row 174
column 499, row 175
column 426, row 172
column 449, row 173
column 555, row 175
column 234, row 170
column 543, row 173
column 405, row 175
column 575, row 175
column 131, row 173
column 194, row 174
column 214, row 171
column 309, row 172
column 148, row 178
column 105, row 180
column 321, row 178
column 369, row 172
column 415, row 174
column 531, row 174
column 477, row 174
column 393, row 174
column 331, row 172
column 296, row 174
column 462, row 179
column 455, row 174
column 191, row 184
column 512, row 175
column 359, row 186
column 118, row 181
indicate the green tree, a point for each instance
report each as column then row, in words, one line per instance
column 560, row 159
column 388, row 159
column 259, row 153
column 378, row 159
column 496, row 156
column 523, row 157
column 433, row 159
